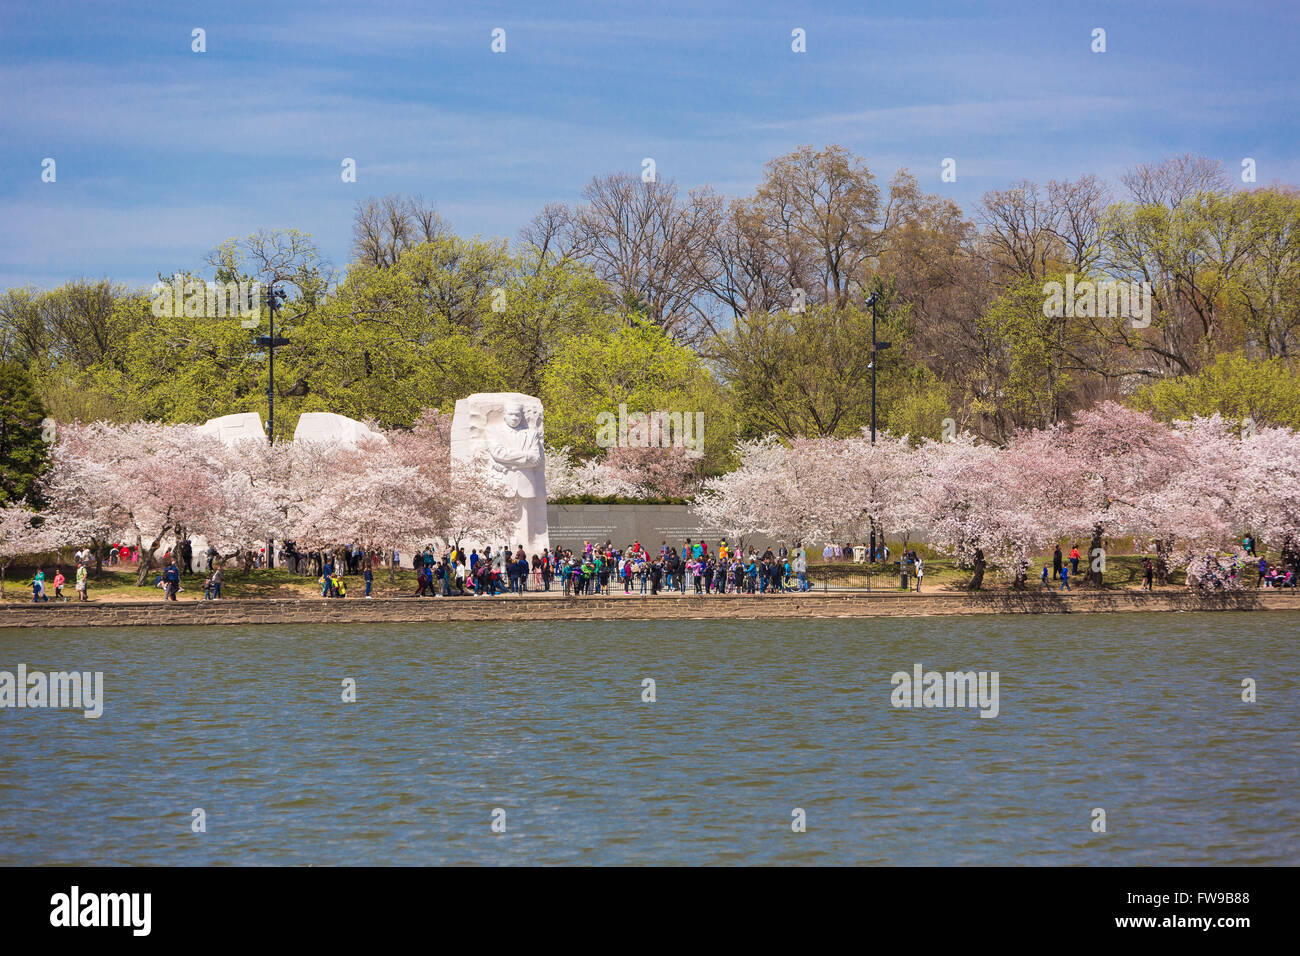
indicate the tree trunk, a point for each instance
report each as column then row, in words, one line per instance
column 977, row 581
column 146, row 556
column 392, row 571
column 1095, row 578
column 1163, row 550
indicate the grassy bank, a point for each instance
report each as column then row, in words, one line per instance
column 1122, row 571
column 118, row 584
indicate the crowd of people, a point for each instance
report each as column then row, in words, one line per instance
column 693, row 568
column 594, row 568
column 602, row 568
column 81, row 581
column 1233, row 572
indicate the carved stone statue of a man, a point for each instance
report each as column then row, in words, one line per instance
column 507, row 426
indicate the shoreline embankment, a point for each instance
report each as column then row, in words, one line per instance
column 833, row 604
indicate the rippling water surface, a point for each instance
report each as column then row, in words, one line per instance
column 1140, row 714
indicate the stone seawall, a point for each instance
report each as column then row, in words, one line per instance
column 669, row 607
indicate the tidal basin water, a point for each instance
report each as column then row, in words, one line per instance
column 1138, row 714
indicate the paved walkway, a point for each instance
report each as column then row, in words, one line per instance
column 555, row 607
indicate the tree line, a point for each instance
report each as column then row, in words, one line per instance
column 747, row 308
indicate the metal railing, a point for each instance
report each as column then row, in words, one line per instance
column 861, row 577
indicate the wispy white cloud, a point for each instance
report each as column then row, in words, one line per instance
column 163, row 153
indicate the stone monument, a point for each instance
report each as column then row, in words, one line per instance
column 504, row 430
column 233, row 429
column 326, row 426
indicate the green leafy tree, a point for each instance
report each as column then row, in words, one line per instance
column 1027, row 363
column 24, row 449
column 542, row 306
column 1267, row 392
column 809, row 373
column 637, row 364
column 916, row 405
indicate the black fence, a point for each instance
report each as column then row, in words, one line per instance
column 860, row 577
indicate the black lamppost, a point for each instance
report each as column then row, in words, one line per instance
column 274, row 298
column 876, row 348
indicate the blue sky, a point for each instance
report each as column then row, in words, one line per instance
column 162, row 153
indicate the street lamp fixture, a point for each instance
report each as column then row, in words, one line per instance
column 876, row 348
column 274, row 302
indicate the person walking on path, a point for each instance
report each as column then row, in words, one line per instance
column 1074, row 558
column 1065, row 578
column 1148, row 572
column 58, row 585
column 81, row 582
column 171, row 581
column 920, row 573
column 1056, row 563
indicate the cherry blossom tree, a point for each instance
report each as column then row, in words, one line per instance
column 460, row 500
column 846, row 487
column 146, row 480
column 566, row 478
column 1204, row 499
column 753, row 499
column 23, row 532
column 254, row 486
column 480, row 507
column 820, row 489
column 74, row 485
column 371, row 498
column 401, row 490
column 977, row 512
column 1093, row 476
column 1269, row 498
column 654, row 472
column 368, row 494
